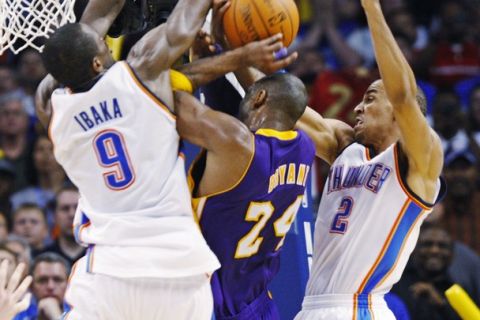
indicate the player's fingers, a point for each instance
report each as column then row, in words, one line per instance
column 3, row 274
column 23, row 305
column 219, row 4
column 201, row 34
column 279, row 51
column 273, row 39
column 285, row 62
column 22, row 288
column 15, row 278
column 224, row 8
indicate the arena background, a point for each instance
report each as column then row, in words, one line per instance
column 441, row 40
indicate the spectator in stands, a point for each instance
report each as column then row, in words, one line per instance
column 29, row 222
column 50, row 272
column 65, row 206
column 4, row 227
column 14, row 141
column 422, row 287
column 474, row 113
column 462, row 203
column 46, row 180
column 7, row 181
column 449, row 123
column 8, row 80
column 31, row 70
column 402, row 22
column 454, row 55
column 10, row 256
column 22, row 249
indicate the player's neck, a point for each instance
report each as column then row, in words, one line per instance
column 383, row 143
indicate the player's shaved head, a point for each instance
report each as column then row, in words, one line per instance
column 286, row 95
column 69, row 52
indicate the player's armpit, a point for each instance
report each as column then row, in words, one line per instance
column 329, row 135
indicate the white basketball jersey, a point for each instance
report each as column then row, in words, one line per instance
column 118, row 144
column 367, row 225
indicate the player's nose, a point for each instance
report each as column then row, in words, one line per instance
column 359, row 108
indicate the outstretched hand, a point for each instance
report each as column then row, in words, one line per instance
column 12, row 295
column 268, row 55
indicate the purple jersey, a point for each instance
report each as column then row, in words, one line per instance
column 246, row 225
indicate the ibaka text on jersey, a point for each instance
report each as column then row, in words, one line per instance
column 289, row 175
column 95, row 115
column 371, row 176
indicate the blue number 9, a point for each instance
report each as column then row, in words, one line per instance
column 111, row 152
column 340, row 222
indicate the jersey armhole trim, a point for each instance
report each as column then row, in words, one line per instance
column 403, row 183
column 344, row 148
column 241, row 177
column 149, row 93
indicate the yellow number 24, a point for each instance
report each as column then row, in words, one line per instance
column 261, row 212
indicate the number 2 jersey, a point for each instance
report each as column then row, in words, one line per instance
column 367, row 225
column 118, row 144
column 246, row 225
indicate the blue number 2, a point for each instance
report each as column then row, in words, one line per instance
column 340, row 222
column 111, row 152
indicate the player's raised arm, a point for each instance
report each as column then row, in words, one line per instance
column 163, row 45
column 215, row 131
column 100, row 14
column 260, row 54
column 418, row 141
column 329, row 135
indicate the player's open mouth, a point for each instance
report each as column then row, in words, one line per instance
column 358, row 122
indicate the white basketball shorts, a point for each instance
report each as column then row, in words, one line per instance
column 102, row 297
column 344, row 307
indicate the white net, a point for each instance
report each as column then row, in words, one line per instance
column 24, row 21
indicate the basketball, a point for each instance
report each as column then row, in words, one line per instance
column 250, row 20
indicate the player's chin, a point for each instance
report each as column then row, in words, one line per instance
column 359, row 135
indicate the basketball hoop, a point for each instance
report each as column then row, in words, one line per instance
column 24, row 21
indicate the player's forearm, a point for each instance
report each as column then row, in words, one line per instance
column 185, row 22
column 205, row 70
column 100, row 14
column 322, row 135
column 42, row 99
column 397, row 76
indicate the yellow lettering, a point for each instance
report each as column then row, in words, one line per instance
column 301, row 175
column 281, row 172
column 291, row 173
column 273, row 181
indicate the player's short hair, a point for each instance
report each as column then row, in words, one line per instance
column 422, row 101
column 286, row 93
column 50, row 257
column 68, row 55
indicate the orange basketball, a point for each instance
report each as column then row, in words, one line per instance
column 250, row 20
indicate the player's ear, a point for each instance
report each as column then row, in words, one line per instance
column 260, row 99
column 97, row 65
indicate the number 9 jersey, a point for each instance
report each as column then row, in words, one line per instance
column 246, row 225
column 118, row 144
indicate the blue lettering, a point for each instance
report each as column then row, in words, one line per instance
column 383, row 177
column 96, row 116
column 106, row 114
column 86, row 120
column 116, row 109
column 81, row 125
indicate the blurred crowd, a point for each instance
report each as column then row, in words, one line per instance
column 440, row 39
